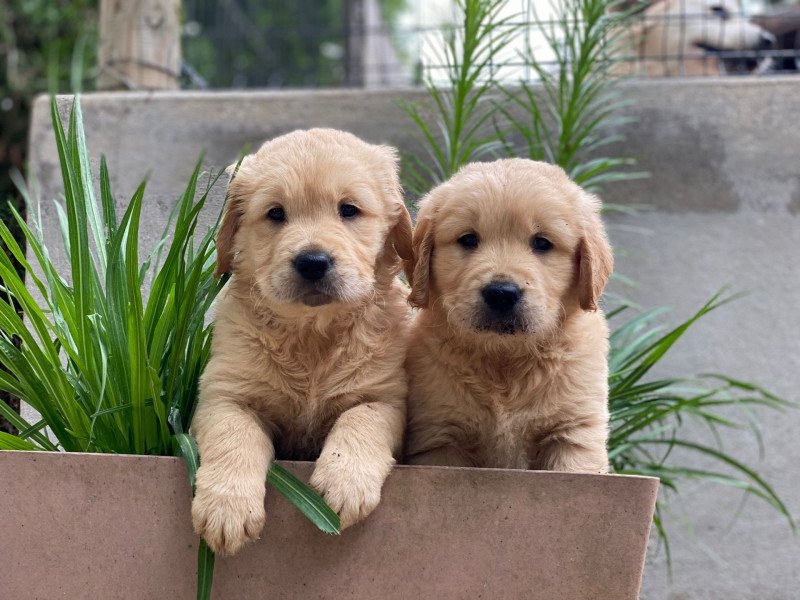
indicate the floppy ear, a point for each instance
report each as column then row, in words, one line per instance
column 400, row 233
column 231, row 217
column 401, row 236
column 594, row 258
column 419, row 269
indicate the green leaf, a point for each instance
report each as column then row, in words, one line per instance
column 186, row 447
column 647, row 415
column 205, row 570
column 304, row 498
column 12, row 442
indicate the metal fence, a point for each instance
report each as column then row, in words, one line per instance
column 384, row 43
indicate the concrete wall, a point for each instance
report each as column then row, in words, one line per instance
column 725, row 210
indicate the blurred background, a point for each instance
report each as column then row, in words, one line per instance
column 52, row 45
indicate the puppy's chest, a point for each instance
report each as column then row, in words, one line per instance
column 306, row 379
column 509, row 418
column 505, row 439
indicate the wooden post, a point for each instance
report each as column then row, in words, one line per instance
column 140, row 45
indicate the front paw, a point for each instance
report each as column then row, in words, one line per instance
column 228, row 516
column 350, row 486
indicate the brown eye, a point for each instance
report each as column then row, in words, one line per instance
column 348, row 211
column 468, row 241
column 276, row 214
column 541, row 244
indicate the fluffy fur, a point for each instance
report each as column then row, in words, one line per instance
column 299, row 369
column 682, row 37
column 529, row 391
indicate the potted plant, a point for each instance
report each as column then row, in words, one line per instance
column 113, row 374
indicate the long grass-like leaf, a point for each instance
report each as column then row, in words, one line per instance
column 304, row 498
column 453, row 136
column 12, row 442
column 205, row 570
column 185, row 446
column 647, row 415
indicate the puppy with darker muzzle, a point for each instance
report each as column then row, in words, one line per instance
column 507, row 359
column 309, row 334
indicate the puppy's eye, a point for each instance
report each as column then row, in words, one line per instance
column 276, row 214
column 721, row 12
column 468, row 240
column 348, row 211
column 541, row 244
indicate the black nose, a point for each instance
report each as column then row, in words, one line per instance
column 501, row 296
column 765, row 41
column 312, row 265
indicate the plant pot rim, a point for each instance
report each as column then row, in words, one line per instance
column 290, row 463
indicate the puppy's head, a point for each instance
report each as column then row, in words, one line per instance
column 314, row 218
column 509, row 247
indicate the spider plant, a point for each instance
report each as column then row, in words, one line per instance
column 648, row 415
column 461, row 110
column 107, row 369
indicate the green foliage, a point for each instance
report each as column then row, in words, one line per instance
column 130, row 367
column 648, row 415
column 461, row 111
column 566, row 116
column 40, row 40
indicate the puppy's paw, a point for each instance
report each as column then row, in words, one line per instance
column 351, row 486
column 228, row 516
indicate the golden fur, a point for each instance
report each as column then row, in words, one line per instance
column 301, row 381
column 479, row 395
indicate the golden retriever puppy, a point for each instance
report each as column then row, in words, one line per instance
column 310, row 332
column 507, row 361
column 686, row 37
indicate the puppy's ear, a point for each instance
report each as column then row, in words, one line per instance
column 400, row 233
column 401, row 236
column 419, row 269
column 594, row 257
column 231, row 217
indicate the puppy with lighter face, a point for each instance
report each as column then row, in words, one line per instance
column 507, row 358
column 310, row 332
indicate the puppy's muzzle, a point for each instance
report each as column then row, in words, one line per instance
column 502, row 301
column 313, row 266
column 501, row 296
